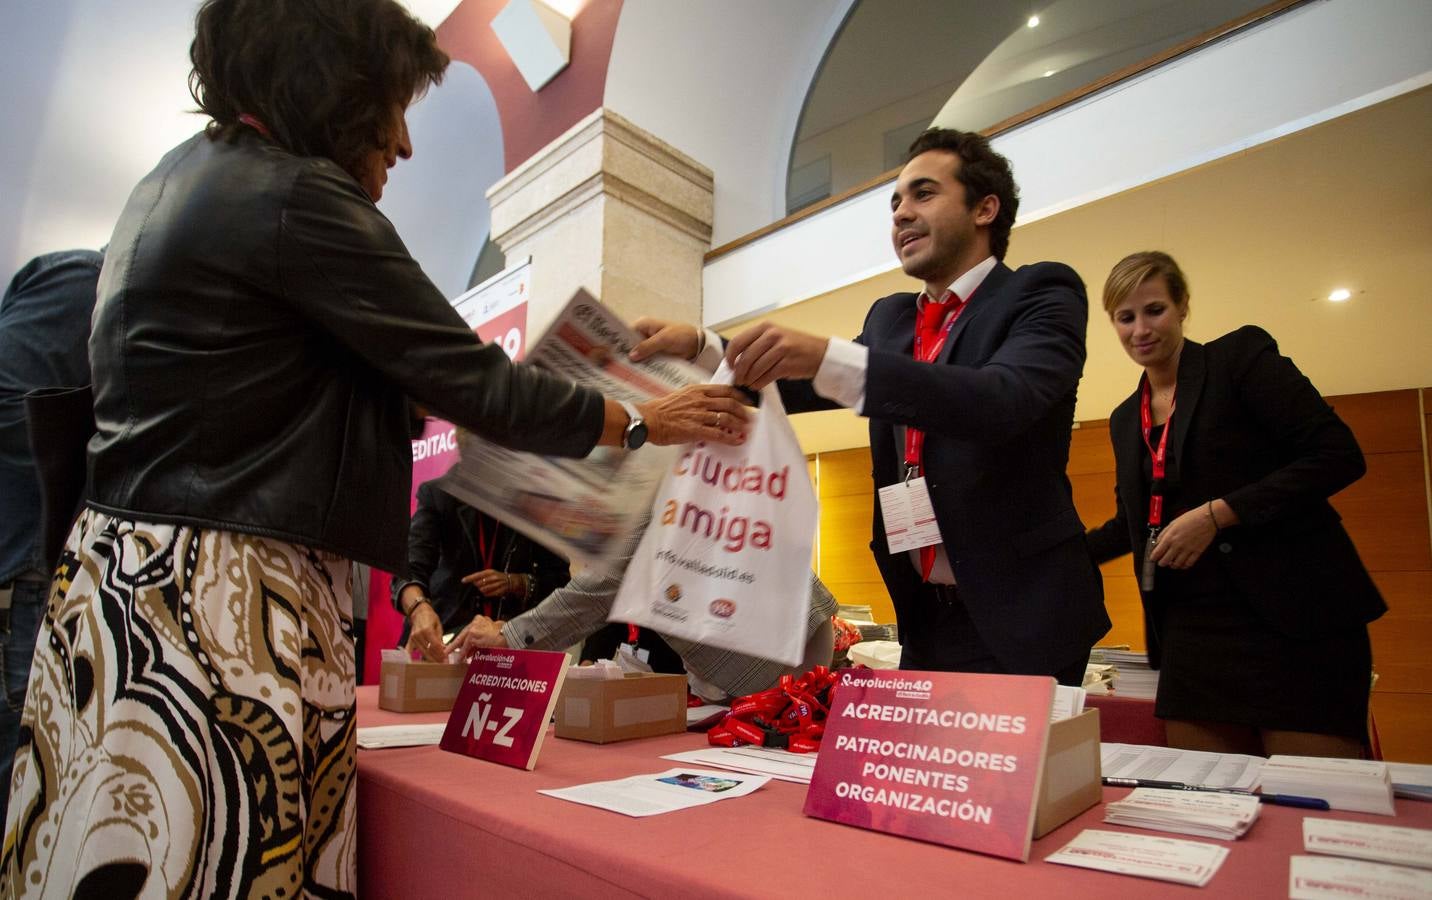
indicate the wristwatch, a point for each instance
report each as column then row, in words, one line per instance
column 635, row 433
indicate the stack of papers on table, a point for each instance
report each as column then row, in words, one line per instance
column 1194, row 767
column 378, row 737
column 1411, row 780
column 1200, row 813
column 1132, row 675
column 780, row 764
column 1356, row 785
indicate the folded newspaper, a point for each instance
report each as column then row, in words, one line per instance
column 584, row 509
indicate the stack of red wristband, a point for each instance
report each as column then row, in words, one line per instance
column 790, row 716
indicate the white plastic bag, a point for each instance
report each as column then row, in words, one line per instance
column 726, row 558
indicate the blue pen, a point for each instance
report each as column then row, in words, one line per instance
column 1291, row 800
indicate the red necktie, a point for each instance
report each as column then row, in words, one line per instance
column 928, row 342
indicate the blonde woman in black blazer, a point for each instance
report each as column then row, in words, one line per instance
column 1255, row 601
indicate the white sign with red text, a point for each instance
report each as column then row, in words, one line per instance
column 726, row 559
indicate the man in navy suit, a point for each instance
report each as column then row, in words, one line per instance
column 969, row 387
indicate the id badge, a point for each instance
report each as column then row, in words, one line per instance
column 1146, row 574
column 641, row 653
column 909, row 518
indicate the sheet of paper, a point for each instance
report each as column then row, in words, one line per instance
column 707, row 712
column 1068, row 702
column 1380, row 843
column 1319, row 877
column 1223, row 770
column 1411, row 780
column 796, row 767
column 378, row 737
column 1165, row 859
column 663, row 792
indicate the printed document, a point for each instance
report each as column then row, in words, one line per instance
column 1221, row 770
column 584, row 509
column 664, row 792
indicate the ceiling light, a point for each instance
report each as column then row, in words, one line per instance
column 1048, row 72
column 1033, row 21
column 1340, row 295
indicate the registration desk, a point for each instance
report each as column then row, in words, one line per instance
column 435, row 824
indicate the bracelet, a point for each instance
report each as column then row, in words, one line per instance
column 415, row 605
column 1212, row 518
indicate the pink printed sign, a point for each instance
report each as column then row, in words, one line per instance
column 504, row 705
column 945, row 757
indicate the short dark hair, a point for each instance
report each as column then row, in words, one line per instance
column 982, row 171
column 323, row 76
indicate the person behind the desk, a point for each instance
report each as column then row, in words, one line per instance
column 464, row 563
column 1255, row 601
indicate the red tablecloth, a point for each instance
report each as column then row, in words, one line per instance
column 1127, row 720
column 435, row 824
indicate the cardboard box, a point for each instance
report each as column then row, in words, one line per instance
column 602, row 710
column 1072, row 779
column 420, row 686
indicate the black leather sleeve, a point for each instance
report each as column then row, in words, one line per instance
column 343, row 266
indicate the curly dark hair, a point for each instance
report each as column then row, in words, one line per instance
column 324, row 76
column 982, row 171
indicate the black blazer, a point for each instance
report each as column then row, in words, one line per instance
column 1249, row 427
column 997, row 408
column 443, row 548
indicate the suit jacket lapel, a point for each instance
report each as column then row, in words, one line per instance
column 1124, row 425
column 1191, row 371
column 983, row 298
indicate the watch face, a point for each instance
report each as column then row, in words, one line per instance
column 636, row 435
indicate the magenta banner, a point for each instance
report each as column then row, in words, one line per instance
column 945, row 757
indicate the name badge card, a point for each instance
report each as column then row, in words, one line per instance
column 909, row 518
column 945, row 757
column 502, row 710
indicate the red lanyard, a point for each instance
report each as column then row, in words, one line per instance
column 255, row 124
column 914, row 437
column 487, row 553
column 1159, row 456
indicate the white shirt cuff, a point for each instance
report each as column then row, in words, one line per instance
column 841, row 376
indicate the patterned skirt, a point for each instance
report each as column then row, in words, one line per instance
column 189, row 728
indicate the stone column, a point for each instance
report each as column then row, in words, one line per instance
column 610, row 208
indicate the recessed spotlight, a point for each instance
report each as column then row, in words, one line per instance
column 1048, row 72
column 1340, row 295
column 1033, row 21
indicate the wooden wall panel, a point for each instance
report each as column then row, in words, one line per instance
column 1090, row 450
column 1402, row 638
column 1386, row 513
column 1384, row 421
column 1404, row 726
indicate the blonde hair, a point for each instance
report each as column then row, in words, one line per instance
column 1136, row 268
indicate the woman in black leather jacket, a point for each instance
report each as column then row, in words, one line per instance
column 259, row 326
